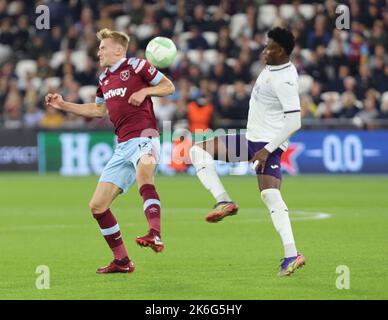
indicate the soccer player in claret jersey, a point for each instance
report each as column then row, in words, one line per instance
column 124, row 91
column 274, row 114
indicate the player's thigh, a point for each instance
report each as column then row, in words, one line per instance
column 145, row 170
column 144, row 154
column 119, row 171
column 266, row 181
column 272, row 176
column 103, row 197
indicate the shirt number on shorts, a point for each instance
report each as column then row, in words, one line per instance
column 143, row 145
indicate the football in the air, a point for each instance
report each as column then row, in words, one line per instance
column 161, row 52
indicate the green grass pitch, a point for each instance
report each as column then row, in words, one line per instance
column 44, row 220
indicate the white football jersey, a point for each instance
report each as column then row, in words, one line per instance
column 275, row 93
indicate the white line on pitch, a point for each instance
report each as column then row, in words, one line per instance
column 294, row 216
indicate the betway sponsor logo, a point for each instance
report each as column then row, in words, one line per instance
column 115, row 92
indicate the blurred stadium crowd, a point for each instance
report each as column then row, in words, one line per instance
column 343, row 73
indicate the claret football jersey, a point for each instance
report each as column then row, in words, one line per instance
column 116, row 84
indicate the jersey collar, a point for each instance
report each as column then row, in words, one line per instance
column 117, row 65
column 279, row 67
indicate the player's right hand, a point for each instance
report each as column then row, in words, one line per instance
column 54, row 100
column 259, row 159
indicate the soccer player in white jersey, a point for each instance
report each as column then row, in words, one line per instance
column 274, row 115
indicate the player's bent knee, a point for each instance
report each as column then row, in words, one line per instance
column 201, row 145
column 192, row 151
column 272, row 198
column 195, row 149
column 97, row 207
column 200, row 156
column 146, row 161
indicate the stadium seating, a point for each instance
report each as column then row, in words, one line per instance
column 305, row 83
column 307, row 10
column 211, row 37
column 25, row 67
column 51, row 83
column 78, row 58
column 182, row 40
column 5, row 53
column 122, row 22
column 267, row 15
column 246, row 44
column 237, row 24
column 87, row 93
column 209, row 55
column 384, row 97
column 287, row 11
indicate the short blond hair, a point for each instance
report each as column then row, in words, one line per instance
column 117, row 36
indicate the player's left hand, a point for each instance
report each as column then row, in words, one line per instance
column 137, row 98
column 261, row 156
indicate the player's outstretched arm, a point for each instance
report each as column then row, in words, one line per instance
column 89, row 110
column 164, row 88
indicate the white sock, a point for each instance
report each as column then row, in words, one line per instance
column 203, row 162
column 279, row 215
